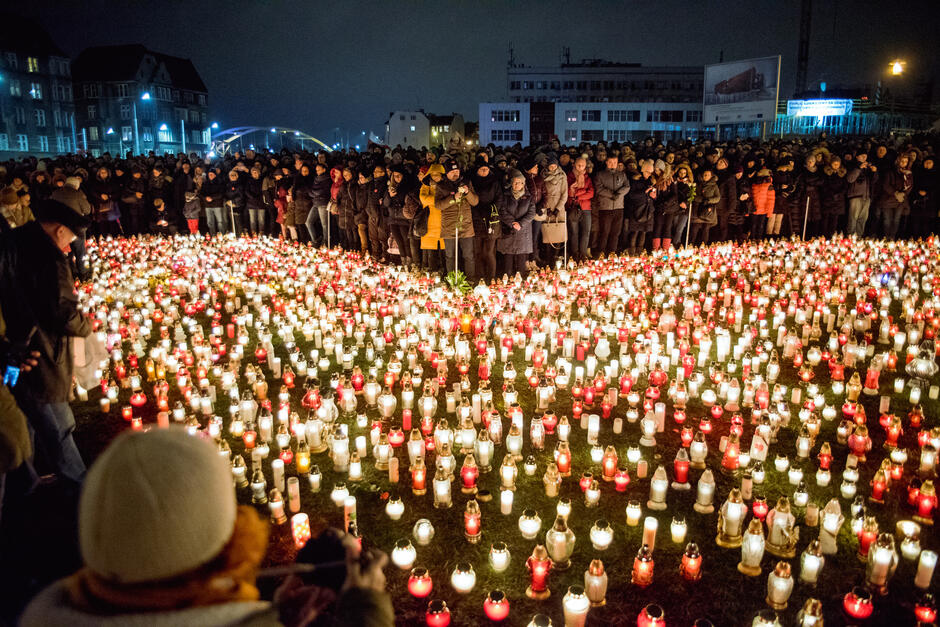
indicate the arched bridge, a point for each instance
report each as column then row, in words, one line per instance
column 274, row 138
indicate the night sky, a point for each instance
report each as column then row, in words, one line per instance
column 318, row 66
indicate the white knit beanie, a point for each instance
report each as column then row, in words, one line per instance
column 155, row 505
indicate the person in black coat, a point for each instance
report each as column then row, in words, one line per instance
column 211, row 194
column 639, row 209
column 233, row 199
column 134, row 199
column 486, row 217
column 318, row 219
column 40, row 308
column 401, row 198
column 254, row 201
column 516, row 213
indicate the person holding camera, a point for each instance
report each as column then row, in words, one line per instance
column 164, row 543
column 861, row 184
column 40, row 306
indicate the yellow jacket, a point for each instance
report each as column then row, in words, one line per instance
column 432, row 240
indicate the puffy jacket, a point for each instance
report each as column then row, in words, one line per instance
column 610, row 188
column 556, row 193
column 521, row 210
column 763, row 197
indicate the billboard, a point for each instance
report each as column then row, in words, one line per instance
column 742, row 91
column 819, row 107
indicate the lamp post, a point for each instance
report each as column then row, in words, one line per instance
column 163, row 127
column 110, row 131
column 145, row 97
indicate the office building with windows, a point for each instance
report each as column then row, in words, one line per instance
column 37, row 113
column 129, row 98
column 597, row 80
column 508, row 123
column 595, row 100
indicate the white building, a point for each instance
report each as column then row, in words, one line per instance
column 408, row 128
column 506, row 123
column 417, row 129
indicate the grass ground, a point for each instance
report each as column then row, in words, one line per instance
column 723, row 594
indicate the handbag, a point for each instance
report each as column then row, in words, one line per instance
column 332, row 207
column 555, row 230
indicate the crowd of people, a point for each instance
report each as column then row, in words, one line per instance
column 491, row 210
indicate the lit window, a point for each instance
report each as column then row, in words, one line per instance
column 35, row 90
column 23, row 142
column 32, row 64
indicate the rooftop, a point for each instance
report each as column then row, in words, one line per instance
column 117, row 63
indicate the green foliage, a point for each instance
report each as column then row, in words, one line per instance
column 458, row 281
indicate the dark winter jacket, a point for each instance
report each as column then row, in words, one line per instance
column 538, row 195
column 809, row 188
column 610, row 189
column 489, row 190
column 212, row 189
column 37, row 296
column 639, row 208
column 861, row 183
column 707, row 197
column 320, row 190
column 103, row 193
column 896, row 185
column 740, row 209
column 521, row 210
column 253, row 196
column 833, row 191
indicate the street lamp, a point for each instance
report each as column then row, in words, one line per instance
column 145, row 97
column 897, row 67
column 215, row 125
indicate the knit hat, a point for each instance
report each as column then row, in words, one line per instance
column 450, row 165
column 660, row 165
column 155, row 505
column 516, row 174
column 74, row 182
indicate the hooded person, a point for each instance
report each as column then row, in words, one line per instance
column 516, row 215
column 164, row 543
